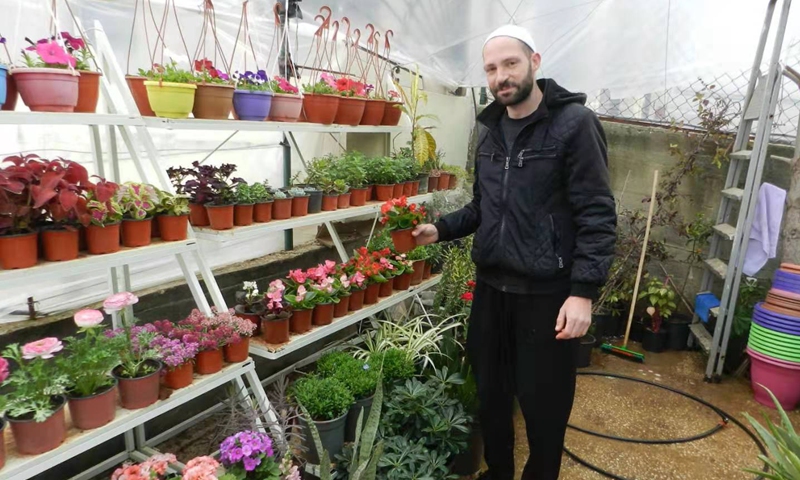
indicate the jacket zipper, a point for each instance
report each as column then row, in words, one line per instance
column 555, row 242
column 503, row 195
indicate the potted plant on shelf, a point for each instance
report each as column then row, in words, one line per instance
column 400, row 218
column 384, row 176
column 103, row 234
column 322, row 284
column 177, row 355
column 327, row 401
column 389, row 272
column 262, row 198
column 282, row 206
column 301, row 299
column 353, row 101
column 214, row 97
column 320, row 102
column 138, row 202
column 374, row 109
column 219, row 195
column 417, row 256
column 22, row 212
column 330, row 199
column 276, row 317
column 249, row 303
column 88, row 360
column 341, row 286
column 342, row 190
column 403, row 268
column 211, row 339
column 661, row 299
column 140, row 368
column 172, row 215
column 89, row 80
column 299, row 201
column 286, row 101
column 49, row 81
column 139, row 91
column 237, row 331
column 252, row 98
column 170, row 90
column 358, row 286
column 186, row 181
column 248, row 455
column 364, row 262
column 245, row 205
column 351, row 169
column 392, row 110
column 360, row 379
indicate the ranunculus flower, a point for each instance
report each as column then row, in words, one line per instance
column 119, row 301
column 44, row 348
column 88, row 318
column 3, row 369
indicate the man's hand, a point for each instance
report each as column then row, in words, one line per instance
column 426, row 234
column 574, row 318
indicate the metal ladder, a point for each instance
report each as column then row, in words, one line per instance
column 760, row 103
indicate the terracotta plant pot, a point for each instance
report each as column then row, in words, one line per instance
column 350, row 111
column 102, row 240
column 386, row 288
column 419, row 272
column 300, row 206
column 262, row 212
column 3, row 424
column 276, row 331
column 453, row 182
column 220, row 216
column 172, row 228
column 95, row 410
column 444, row 181
column 213, row 101
column 254, row 318
column 60, row 244
column 198, row 216
column 422, row 184
column 371, row 193
column 282, row 208
column 237, row 352
column 179, row 377
column 397, row 190
column 47, row 89
column 300, row 321
column 358, row 196
column 285, row 108
column 88, row 91
column 391, row 113
column 403, row 240
column 323, row 314
column 373, row 112
column 19, row 251
column 136, row 233
column 414, row 188
column 139, row 93
column 356, row 300
column 384, row 192
column 408, row 188
column 155, row 228
column 402, row 282
column 169, row 99
column 320, row 108
column 33, row 438
column 344, row 200
column 253, row 106
column 208, row 362
column 330, row 203
column 243, row 215
column 371, row 293
column 433, row 183
column 11, row 94
column 139, row 392
column 428, row 268
column 340, row 309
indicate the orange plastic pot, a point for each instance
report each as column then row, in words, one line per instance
column 340, row 309
column 453, row 182
column 300, row 321
column 356, row 302
column 60, row 244
column 408, row 188
column 371, row 293
column 282, row 208
column 402, row 282
column 358, row 196
column 262, row 212
column 371, row 193
column 350, row 111
column 419, row 272
column 254, row 318
column 403, row 240
column 88, row 91
column 139, row 392
column 444, row 181
column 276, row 331
column 237, row 352
column 136, row 233
column 139, row 93
column 300, row 206
column 220, row 216
column 320, row 108
column 427, row 273
column 373, row 112
column 285, row 107
column 323, row 314
column 180, row 376
column 384, row 192
column 198, row 216
column 172, row 228
column 243, row 215
column 330, row 203
column 386, row 288
column 33, row 438
column 101, row 240
column 391, row 113
column 344, row 200
column 415, row 188
column 433, row 183
column 11, row 94
column 48, row 89
column 397, row 190
column 208, row 362
column 19, row 251
column 95, row 410
column 213, row 101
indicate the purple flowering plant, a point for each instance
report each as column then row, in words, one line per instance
column 257, row 81
column 174, row 352
column 133, row 358
column 249, row 455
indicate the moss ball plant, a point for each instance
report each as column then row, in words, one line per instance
column 324, row 398
column 397, row 365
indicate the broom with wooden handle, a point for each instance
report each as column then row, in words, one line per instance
column 622, row 351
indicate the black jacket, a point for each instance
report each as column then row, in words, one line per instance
column 543, row 213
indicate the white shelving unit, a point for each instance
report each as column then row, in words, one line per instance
column 249, row 126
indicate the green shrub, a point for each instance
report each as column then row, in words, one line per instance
column 397, row 366
column 360, row 378
column 324, row 398
column 332, row 362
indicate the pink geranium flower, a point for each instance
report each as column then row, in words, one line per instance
column 88, row 318
column 298, row 276
column 44, row 348
column 54, row 54
column 119, row 301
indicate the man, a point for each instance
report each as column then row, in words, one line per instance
column 544, row 222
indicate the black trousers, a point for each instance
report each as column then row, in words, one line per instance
column 512, row 347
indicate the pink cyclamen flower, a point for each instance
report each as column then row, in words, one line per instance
column 52, row 53
column 88, row 318
column 3, row 370
column 119, row 301
column 44, row 348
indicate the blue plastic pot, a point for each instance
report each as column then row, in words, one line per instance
column 252, row 106
column 3, row 75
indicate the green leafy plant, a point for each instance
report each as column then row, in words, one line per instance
column 422, row 142
column 457, row 273
column 397, row 214
column 381, row 171
column 169, row 73
column 319, row 88
column 783, row 445
column 397, row 365
column 319, row 168
column 89, row 358
column 137, row 200
column 260, row 192
column 244, row 194
column 301, row 298
column 360, row 377
column 661, row 298
column 35, row 380
column 405, row 458
column 340, row 187
column 751, row 291
column 171, row 204
column 104, row 213
column 351, row 168
column 323, row 398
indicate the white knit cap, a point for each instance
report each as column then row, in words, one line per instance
column 513, row 31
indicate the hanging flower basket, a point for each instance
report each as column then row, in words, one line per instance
column 213, row 102
column 285, row 108
column 139, row 93
column 350, row 111
column 391, row 113
column 319, row 108
column 48, row 89
column 171, row 99
column 373, row 112
column 252, row 105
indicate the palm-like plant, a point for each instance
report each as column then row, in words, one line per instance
column 422, row 142
column 783, row 445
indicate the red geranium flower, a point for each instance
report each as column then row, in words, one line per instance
column 467, row 297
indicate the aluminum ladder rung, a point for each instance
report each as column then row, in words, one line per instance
column 717, row 267
column 778, row 158
column 754, row 107
column 741, row 155
column 701, row 334
column 725, row 230
column 733, row 193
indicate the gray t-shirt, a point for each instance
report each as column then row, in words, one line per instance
column 511, row 128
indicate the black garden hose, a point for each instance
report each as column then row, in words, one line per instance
column 724, row 419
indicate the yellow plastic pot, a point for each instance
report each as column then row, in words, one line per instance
column 171, row 100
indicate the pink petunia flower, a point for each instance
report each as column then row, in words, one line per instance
column 88, row 318
column 52, row 53
column 44, row 348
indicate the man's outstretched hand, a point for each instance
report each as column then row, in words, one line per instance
column 574, row 318
column 426, row 234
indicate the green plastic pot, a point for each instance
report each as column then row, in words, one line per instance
column 171, row 100
column 777, row 337
column 756, row 346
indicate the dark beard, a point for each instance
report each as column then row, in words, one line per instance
column 523, row 90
